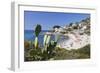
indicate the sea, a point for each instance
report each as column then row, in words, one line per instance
column 29, row 35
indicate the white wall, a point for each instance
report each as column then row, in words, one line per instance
column 5, row 40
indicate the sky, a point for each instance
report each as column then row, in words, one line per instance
column 48, row 19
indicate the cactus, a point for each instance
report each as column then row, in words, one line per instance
column 37, row 31
column 50, row 49
column 47, row 52
column 36, row 42
column 57, row 37
column 46, row 41
column 49, row 45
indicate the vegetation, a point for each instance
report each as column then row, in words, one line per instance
column 50, row 51
column 57, row 53
column 37, row 53
column 70, row 24
column 56, row 26
column 37, row 31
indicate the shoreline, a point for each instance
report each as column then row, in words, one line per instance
column 70, row 40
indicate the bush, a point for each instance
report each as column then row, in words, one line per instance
column 85, row 50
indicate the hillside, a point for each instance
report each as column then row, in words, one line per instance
column 76, row 35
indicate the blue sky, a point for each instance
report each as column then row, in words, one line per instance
column 48, row 19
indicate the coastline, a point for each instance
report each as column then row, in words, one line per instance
column 69, row 41
column 74, row 43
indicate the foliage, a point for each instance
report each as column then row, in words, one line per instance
column 37, row 53
column 56, row 53
column 56, row 26
column 85, row 50
column 50, row 51
column 70, row 24
column 37, row 31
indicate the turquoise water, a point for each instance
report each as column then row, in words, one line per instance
column 30, row 36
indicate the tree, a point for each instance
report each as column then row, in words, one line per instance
column 56, row 26
column 70, row 24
